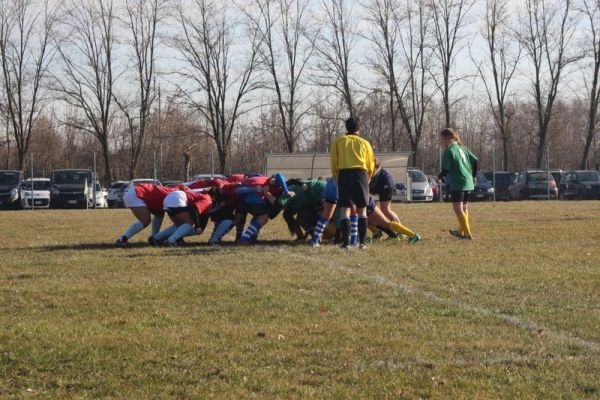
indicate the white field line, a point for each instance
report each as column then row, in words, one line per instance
column 508, row 319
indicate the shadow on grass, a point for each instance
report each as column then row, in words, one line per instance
column 188, row 247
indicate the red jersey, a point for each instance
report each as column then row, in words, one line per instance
column 255, row 181
column 201, row 201
column 200, row 184
column 153, row 196
column 235, row 178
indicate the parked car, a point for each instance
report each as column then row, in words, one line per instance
column 435, row 187
column 114, row 190
column 582, row 184
column 420, row 188
column 133, row 183
column 10, row 184
column 207, row 176
column 534, row 184
column 172, row 183
column 101, row 196
column 399, row 192
column 501, row 183
column 37, row 196
column 483, row 190
column 69, row 186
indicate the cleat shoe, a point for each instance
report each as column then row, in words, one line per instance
column 369, row 239
column 168, row 243
column 314, row 245
column 362, row 246
column 377, row 235
column 465, row 237
column 344, row 247
column 153, row 242
column 180, row 242
column 414, row 239
column 454, row 233
column 122, row 242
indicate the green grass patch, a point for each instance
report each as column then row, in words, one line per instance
column 513, row 314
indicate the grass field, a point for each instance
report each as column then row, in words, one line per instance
column 514, row 314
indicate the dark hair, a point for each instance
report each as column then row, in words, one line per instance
column 377, row 163
column 449, row 133
column 352, row 125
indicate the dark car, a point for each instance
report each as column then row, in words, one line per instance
column 501, row 181
column 533, row 184
column 580, row 185
column 10, row 184
column 483, row 189
column 69, row 188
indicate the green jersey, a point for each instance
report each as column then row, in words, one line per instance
column 457, row 160
column 309, row 198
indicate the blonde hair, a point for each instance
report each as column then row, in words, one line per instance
column 449, row 133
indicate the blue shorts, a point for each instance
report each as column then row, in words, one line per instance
column 330, row 192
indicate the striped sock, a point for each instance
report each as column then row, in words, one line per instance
column 251, row 231
column 319, row 228
column 354, row 230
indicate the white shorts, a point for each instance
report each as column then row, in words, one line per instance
column 132, row 200
column 176, row 199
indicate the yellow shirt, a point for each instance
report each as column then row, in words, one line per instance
column 351, row 152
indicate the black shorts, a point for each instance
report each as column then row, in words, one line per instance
column 256, row 209
column 458, row 196
column 386, row 194
column 222, row 214
column 353, row 188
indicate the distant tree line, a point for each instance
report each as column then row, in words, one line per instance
column 175, row 87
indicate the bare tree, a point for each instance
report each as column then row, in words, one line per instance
column 402, row 60
column 336, row 41
column 449, row 19
column 288, row 44
column 143, row 17
column 547, row 31
column 26, row 52
column 591, row 11
column 503, row 59
column 221, row 73
column 87, row 79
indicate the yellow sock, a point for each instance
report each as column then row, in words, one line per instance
column 461, row 221
column 467, row 225
column 399, row 228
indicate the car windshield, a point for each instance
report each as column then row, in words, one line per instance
column 71, row 177
column 538, row 176
column 417, row 176
column 9, row 178
column 118, row 185
column 481, row 178
column 591, row 176
column 37, row 185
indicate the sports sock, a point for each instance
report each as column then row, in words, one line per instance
column 354, row 230
column 251, row 231
column 239, row 228
column 156, row 223
column 362, row 229
column 165, row 233
column 319, row 228
column 345, row 224
column 398, row 227
column 388, row 231
column 183, row 230
column 462, row 221
column 136, row 227
column 221, row 230
column 467, row 229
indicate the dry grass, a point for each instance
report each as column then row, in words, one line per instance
column 514, row 314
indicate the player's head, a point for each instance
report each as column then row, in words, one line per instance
column 352, row 125
column 450, row 134
column 377, row 164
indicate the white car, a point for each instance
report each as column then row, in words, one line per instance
column 101, row 197
column 40, row 198
column 115, row 189
column 421, row 190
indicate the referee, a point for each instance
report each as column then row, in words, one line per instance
column 352, row 165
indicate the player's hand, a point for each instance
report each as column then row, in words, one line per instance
column 291, row 194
